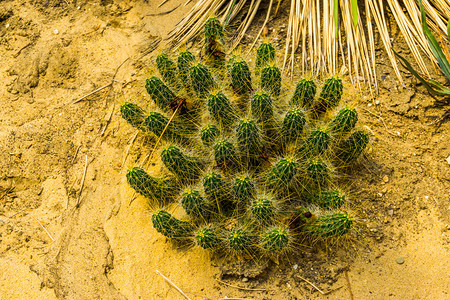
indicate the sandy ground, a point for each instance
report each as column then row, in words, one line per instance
column 65, row 235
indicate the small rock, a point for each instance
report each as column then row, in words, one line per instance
column 448, row 160
column 56, row 31
column 400, row 260
column 245, row 279
column 295, row 267
column 391, row 212
column 385, row 178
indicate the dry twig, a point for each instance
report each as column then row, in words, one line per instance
column 314, row 286
column 82, row 182
column 93, row 92
column 240, row 287
column 76, row 153
column 348, row 283
column 173, row 285
column 45, row 229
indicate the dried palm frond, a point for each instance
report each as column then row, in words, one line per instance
column 332, row 35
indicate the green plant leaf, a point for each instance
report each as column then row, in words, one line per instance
column 355, row 12
column 438, row 89
column 448, row 29
column 434, row 45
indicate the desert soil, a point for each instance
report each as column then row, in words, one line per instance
column 71, row 228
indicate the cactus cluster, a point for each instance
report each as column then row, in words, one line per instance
column 259, row 170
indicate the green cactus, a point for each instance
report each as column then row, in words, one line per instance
column 171, row 227
column 167, row 68
column 329, row 199
column 159, row 189
column 265, row 55
column 261, row 108
column 133, row 114
column 240, row 239
column 209, row 134
column 293, row 124
column 282, row 173
column 318, row 172
column 248, row 139
column 330, row 96
column 241, row 80
column 243, row 189
column 344, row 121
column 202, row 80
column 213, row 43
column 224, row 153
column 219, row 152
column 350, row 149
column 185, row 61
column 208, row 238
column 263, row 210
column 276, row 240
column 160, row 126
column 332, row 225
column 271, row 80
column 220, row 109
column 213, row 31
column 181, row 165
column 160, row 94
column 304, row 94
column 195, row 205
column 318, row 141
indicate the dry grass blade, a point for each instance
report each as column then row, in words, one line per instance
column 328, row 32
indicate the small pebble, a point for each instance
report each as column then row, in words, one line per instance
column 448, row 160
column 377, row 102
column 295, row 267
column 386, row 178
column 391, row 212
column 245, row 279
column 56, row 31
column 400, row 260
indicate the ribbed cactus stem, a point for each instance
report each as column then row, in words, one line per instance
column 208, row 238
column 318, row 141
column 159, row 92
column 344, row 121
column 240, row 239
column 352, row 147
column 151, row 187
column 169, row 226
column 332, row 225
column 224, row 153
column 195, row 205
column 261, row 108
column 282, row 173
column 183, row 166
column 271, row 80
column 241, row 80
column 330, row 96
column 318, row 172
column 329, row 199
column 276, row 240
column 184, row 61
column 304, row 94
column 167, row 68
column 202, row 80
column 160, row 126
column 213, row 43
column 220, row 108
column 265, row 55
column 263, row 210
column 133, row 114
column 243, row 189
column 209, row 134
column 293, row 124
column 248, row 139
